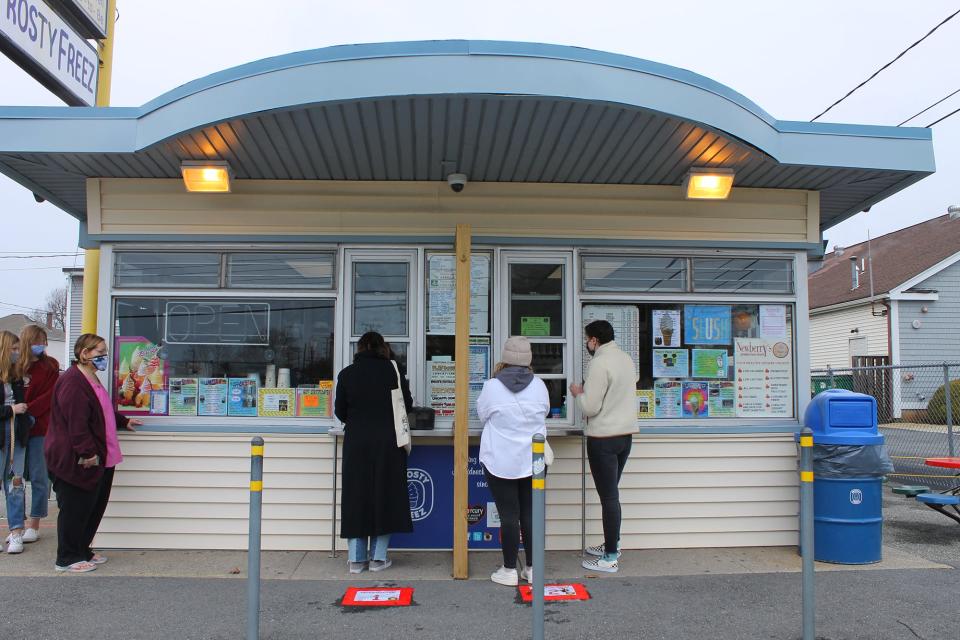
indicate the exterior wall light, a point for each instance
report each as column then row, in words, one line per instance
column 702, row 183
column 206, row 176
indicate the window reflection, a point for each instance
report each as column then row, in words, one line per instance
column 380, row 298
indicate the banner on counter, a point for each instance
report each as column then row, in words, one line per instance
column 430, row 489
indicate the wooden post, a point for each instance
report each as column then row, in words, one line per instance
column 461, row 443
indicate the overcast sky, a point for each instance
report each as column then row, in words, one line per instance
column 792, row 59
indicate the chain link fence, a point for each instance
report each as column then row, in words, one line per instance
column 918, row 409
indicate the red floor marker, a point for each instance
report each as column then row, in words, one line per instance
column 556, row 592
column 378, row 597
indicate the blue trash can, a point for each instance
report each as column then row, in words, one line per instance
column 848, row 476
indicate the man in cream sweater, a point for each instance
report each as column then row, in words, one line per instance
column 608, row 399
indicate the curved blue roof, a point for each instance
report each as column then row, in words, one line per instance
column 397, row 89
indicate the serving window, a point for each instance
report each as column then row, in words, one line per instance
column 223, row 357
column 699, row 357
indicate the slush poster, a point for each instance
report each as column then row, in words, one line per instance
column 706, row 324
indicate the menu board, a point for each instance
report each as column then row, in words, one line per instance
column 183, row 397
column 442, row 293
column 212, row 397
column 625, row 320
column 764, row 378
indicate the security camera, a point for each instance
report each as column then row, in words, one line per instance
column 457, row 181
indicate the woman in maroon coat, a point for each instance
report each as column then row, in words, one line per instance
column 39, row 373
column 82, row 450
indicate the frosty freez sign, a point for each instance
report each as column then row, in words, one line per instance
column 39, row 40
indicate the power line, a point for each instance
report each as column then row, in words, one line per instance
column 943, row 118
column 877, row 72
column 50, row 255
column 949, row 95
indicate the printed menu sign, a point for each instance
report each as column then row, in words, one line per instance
column 764, row 378
column 442, row 293
column 212, row 397
column 645, row 404
column 709, row 363
column 441, row 376
column 183, row 396
column 671, row 363
column 668, row 397
column 773, row 321
column 625, row 320
column 723, row 396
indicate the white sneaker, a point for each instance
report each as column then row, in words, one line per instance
column 597, row 563
column 505, row 576
column 599, row 550
column 15, row 543
column 527, row 574
column 30, row 535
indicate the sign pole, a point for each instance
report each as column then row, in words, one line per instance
column 91, row 257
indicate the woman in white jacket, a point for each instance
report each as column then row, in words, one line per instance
column 513, row 407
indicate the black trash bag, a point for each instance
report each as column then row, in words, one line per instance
column 851, row 460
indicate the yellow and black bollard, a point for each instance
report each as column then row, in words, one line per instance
column 539, row 533
column 806, row 530
column 253, row 552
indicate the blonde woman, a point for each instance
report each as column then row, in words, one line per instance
column 16, row 430
column 39, row 372
column 82, row 450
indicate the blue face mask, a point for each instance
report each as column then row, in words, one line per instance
column 38, row 349
column 100, row 362
column 14, row 356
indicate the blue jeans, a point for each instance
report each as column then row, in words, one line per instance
column 36, row 466
column 15, row 493
column 358, row 548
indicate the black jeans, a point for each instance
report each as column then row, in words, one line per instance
column 607, row 458
column 80, row 514
column 514, row 499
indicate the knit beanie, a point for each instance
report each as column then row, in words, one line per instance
column 516, row 351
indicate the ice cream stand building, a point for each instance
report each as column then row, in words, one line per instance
column 254, row 223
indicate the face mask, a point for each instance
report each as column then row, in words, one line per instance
column 38, row 349
column 14, row 356
column 100, row 362
column 590, row 351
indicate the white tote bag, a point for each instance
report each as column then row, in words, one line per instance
column 401, row 423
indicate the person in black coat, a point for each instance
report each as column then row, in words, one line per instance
column 374, row 502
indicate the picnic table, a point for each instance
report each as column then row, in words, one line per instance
column 949, row 497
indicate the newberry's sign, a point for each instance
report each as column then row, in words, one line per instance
column 41, row 42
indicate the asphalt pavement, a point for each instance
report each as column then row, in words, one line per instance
column 739, row 593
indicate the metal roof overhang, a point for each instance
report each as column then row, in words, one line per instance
column 497, row 111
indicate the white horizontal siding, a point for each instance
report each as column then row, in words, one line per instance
column 191, row 491
column 830, row 335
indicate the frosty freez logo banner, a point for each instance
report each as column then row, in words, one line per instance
column 38, row 40
column 430, row 491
